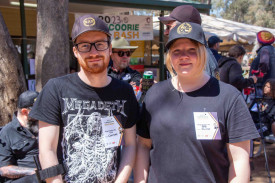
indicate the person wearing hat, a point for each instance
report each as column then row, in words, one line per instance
column 69, row 134
column 187, row 13
column 190, row 130
column 231, row 70
column 214, row 45
column 265, row 60
column 121, row 55
column 18, row 143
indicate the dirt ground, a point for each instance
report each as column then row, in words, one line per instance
column 259, row 174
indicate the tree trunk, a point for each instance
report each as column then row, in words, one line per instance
column 11, row 75
column 52, row 44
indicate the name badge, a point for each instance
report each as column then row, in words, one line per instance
column 207, row 126
column 112, row 131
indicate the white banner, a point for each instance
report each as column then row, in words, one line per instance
column 131, row 27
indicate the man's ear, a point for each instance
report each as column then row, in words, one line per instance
column 25, row 111
column 75, row 52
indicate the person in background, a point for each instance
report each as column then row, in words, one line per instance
column 231, row 70
column 121, row 55
column 214, row 45
column 267, row 106
column 265, row 60
column 269, row 103
column 187, row 13
column 19, row 143
column 190, row 130
column 83, row 116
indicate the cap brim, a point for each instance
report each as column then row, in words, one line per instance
column 166, row 19
column 126, row 47
column 107, row 33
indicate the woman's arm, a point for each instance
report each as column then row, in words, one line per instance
column 142, row 160
column 128, row 155
column 239, row 169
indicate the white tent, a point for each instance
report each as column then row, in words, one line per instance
column 225, row 29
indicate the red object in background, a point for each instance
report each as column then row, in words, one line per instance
column 139, row 68
column 257, row 73
column 248, row 91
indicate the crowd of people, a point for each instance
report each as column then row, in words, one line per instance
column 193, row 127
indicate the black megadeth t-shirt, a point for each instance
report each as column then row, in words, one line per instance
column 189, row 131
column 81, row 110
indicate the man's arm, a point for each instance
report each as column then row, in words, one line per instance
column 48, row 140
column 238, row 154
column 127, row 156
column 142, row 160
column 14, row 172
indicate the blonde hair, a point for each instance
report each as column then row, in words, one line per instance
column 201, row 56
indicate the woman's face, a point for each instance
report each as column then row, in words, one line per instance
column 267, row 89
column 183, row 56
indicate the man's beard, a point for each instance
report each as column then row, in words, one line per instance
column 123, row 65
column 32, row 126
column 93, row 68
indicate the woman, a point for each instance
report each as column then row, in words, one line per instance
column 231, row 71
column 192, row 120
column 268, row 106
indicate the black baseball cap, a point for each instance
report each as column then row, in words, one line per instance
column 183, row 13
column 27, row 99
column 188, row 30
column 89, row 22
column 213, row 40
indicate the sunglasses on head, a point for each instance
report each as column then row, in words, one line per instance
column 121, row 53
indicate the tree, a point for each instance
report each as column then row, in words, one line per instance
column 236, row 10
column 254, row 12
column 52, row 44
column 11, row 75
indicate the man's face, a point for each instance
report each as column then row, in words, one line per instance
column 93, row 61
column 121, row 58
column 32, row 126
column 169, row 27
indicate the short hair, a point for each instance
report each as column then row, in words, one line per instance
column 236, row 51
column 201, row 56
column 272, row 87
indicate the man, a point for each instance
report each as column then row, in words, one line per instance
column 69, row 106
column 18, row 143
column 214, row 45
column 187, row 13
column 121, row 56
column 265, row 60
column 231, row 70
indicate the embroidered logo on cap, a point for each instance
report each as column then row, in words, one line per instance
column 89, row 22
column 184, row 28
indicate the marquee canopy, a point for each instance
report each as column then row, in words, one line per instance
column 226, row 29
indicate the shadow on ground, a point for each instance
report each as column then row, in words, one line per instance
column 259, row 174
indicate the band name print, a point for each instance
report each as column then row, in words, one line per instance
column 71, row 104
column 88, row 22
column 184, row 28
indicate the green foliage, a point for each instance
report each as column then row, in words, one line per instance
column 255, row 12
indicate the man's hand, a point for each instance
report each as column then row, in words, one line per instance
column 132, row 83
column 15, row 172
column 254, row 78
